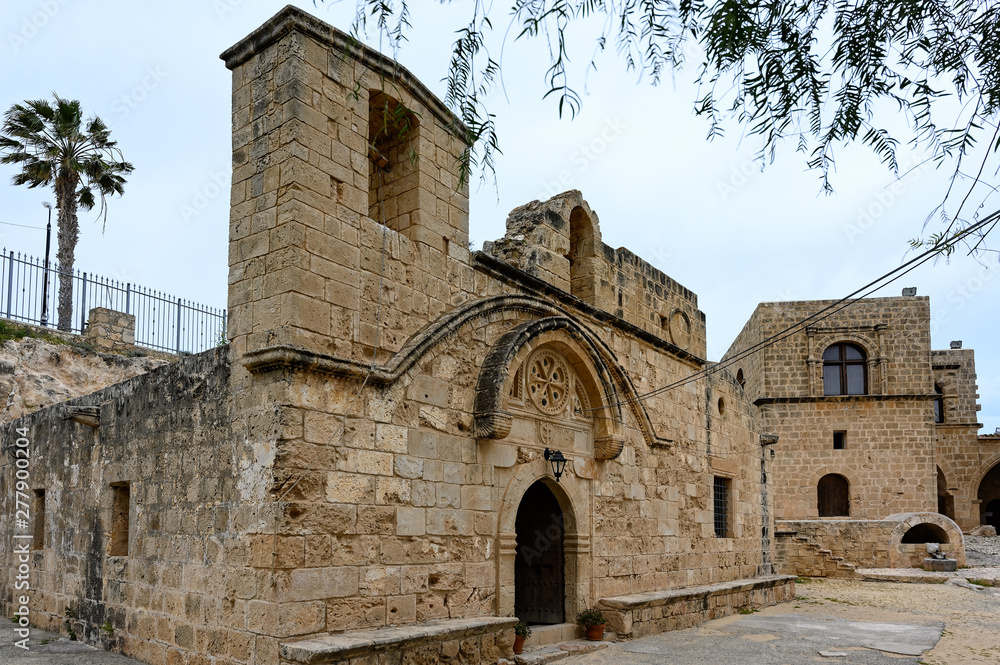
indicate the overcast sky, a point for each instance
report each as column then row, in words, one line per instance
column 701, row 211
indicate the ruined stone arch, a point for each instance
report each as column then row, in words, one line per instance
column 573, row 495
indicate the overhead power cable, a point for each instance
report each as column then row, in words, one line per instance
column 826, row 312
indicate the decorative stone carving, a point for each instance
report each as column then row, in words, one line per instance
column 495, row 425
column 545, row 434
column 549, row 382
column 608, row 447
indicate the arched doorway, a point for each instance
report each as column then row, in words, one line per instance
column 946, row 502
column 989, row 497
column 993, row 513
column 832, row 496
column 539, row 564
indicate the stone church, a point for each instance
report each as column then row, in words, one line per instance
column 878, row 452
column 406, row 445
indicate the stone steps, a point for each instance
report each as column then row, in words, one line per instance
column 828, row 564
column 553, row 652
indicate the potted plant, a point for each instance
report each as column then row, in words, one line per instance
column 522, row 631
column 593, row 621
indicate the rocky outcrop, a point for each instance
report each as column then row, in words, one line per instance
column 35, row 373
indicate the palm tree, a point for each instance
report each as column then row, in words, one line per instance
column 54, row 146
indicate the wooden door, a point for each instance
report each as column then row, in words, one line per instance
column 539, row 577
column 833, row 497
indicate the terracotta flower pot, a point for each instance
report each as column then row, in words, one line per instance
column 519, row 643
column 595, row 633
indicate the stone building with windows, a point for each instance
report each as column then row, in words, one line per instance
column 878, row 451
column 364, row 467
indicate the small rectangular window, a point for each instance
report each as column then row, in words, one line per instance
column 119, row 519
column 722, row 509
column 38, row 528
column 839, row 440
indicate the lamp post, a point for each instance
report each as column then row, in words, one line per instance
column 45, row 273
column 558, row 462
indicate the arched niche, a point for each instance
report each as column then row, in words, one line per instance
column 908, row 539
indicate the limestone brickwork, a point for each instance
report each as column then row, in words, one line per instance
column 108, row 330
column 907, row 444
column 358, row 458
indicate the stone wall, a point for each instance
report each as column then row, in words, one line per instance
column 889, row 454
column 836, row 548
column 172, row 438
column 306, row 260
column 963, row 458
column 358, row 458
column 644, row 614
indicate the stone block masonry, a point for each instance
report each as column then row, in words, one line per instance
column 362, row 470
column 108, row 330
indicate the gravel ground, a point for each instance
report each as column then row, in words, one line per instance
column 982, row 551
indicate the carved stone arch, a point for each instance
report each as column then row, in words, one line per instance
column 869, row 344
column 573, row 341
column 572, row 494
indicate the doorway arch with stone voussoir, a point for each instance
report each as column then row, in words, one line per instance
column 573, row 495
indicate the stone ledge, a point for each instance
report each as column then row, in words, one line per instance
column 341, row 646
column 657, row 598
column 640, row 614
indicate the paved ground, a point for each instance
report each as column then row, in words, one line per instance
column 871, row 623
column 52, row 649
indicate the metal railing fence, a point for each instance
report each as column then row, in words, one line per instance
column 162, row 321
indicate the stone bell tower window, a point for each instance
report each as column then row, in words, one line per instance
column 393, row 159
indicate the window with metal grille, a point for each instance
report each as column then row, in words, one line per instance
column 721, row 504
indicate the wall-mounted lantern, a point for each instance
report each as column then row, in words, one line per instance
column 557, row 461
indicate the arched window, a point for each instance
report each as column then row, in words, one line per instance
column 845, row 370
column 832, row 496
column 939, row 405
column 739, row 378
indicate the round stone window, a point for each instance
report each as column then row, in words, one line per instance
column 548, row 382
column 680, row 329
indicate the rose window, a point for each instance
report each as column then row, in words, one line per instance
column 548, row 382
